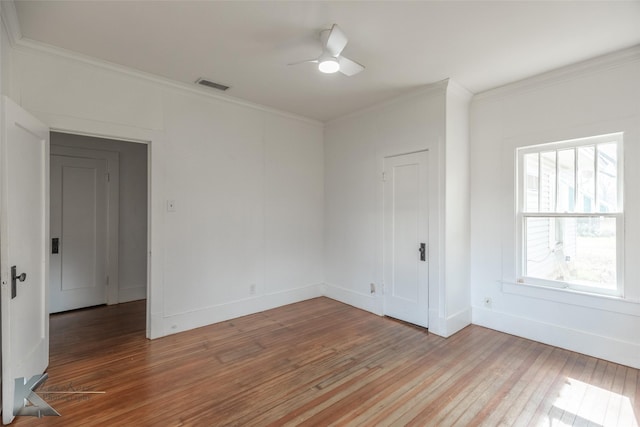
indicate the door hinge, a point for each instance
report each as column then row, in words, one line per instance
column 384, row 177
column 108, row 177
column 107, row 280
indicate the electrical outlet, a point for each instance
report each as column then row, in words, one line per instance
column 487, row 302
column 373, row 288
column 252, row 289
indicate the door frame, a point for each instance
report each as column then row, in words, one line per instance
column 153, row 139
column 113, row 208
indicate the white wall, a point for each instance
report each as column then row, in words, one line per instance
column 4, row 68
column 456, row 218
column 5, row 57
column 248, row 193
column 247, row 184
column 355, row 148
column 132, row 233
column 587, row 99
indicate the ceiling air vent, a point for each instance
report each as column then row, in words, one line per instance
column 205, row 82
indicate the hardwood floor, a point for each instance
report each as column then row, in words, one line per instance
column 320, row 362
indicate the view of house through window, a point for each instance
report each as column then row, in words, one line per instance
column 570, row 214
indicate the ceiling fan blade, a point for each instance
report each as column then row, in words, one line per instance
column 336, row 41
column 349, row 67
column 302, row 62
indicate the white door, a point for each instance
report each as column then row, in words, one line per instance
column 406, row 237
column 24, row 236
column 78, row 232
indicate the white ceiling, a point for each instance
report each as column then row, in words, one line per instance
column 404, row 45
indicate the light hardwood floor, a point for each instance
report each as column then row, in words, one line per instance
column 320, row 362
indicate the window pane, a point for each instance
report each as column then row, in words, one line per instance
column 566, row 180
column 531, row 182
column 548, row 181
column 579, row 251
column 586, row 200
column 607, row 196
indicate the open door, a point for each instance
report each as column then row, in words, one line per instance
column 24, row 258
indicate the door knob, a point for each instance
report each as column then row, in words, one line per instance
column 423, row 252
column 15, row 278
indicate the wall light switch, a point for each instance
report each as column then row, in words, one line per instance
column 171, row 206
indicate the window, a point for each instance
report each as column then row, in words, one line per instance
column 570, row 214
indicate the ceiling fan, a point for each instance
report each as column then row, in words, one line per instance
column 333, row 42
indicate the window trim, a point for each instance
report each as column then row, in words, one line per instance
column 521, row 214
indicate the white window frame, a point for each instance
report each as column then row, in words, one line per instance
column 522, row 215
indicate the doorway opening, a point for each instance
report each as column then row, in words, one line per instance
column 99, row 215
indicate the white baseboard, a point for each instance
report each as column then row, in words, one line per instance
column 370, row 303
column 154, row 330
column 458, row 321
column 623, row 352
column 445, row 327
column 194, row 319
column 132, row 294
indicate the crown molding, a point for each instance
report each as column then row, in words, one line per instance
column 600, row 63
column 9, row 17
column 34, row 47
column 457, row 89
column 440, row 86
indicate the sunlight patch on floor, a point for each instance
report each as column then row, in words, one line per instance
column 579, row 403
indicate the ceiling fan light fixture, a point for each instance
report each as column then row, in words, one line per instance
column 328, row 65
column 331, row 60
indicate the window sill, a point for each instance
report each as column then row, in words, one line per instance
column 573, row 297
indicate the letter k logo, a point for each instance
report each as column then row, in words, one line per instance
column 27, row 402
